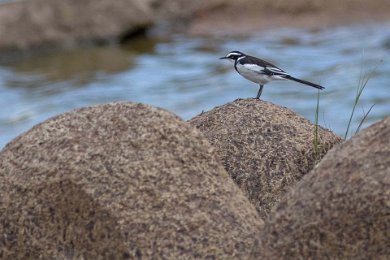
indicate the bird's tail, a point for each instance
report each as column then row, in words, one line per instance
column 304, row 82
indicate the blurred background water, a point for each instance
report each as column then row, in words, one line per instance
column 184, row 75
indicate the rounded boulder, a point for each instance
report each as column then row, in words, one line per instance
column 340, row 210
column 265, row 148
column 120, row 180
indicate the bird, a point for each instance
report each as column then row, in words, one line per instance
column 260, row 71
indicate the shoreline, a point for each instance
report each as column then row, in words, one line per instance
column 220, row 22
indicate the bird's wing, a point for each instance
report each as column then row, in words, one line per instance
column 262, row 66
column 275, row 71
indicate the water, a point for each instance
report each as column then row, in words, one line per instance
column 185, row 76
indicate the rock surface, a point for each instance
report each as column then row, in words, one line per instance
column 37, row 23
column 264, row 148
column 340, row 210
column 118, row 181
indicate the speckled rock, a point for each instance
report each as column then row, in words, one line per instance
column 117, row 181
column 340, row 210
column 265, row 148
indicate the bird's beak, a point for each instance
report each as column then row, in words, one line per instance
column 222, row 58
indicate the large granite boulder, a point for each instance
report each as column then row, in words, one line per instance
column 39, row 23
column 265, row 148
column 340, row 210
column 117, row 181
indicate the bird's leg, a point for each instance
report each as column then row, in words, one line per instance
column 259, row 93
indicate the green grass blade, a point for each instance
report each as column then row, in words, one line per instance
column 316, row 144
column 363, row 119
column 362, row 84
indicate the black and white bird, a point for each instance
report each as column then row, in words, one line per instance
column 260, row 71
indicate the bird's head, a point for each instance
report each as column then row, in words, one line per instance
column 233, row 56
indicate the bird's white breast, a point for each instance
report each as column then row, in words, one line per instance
column 255, row 73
